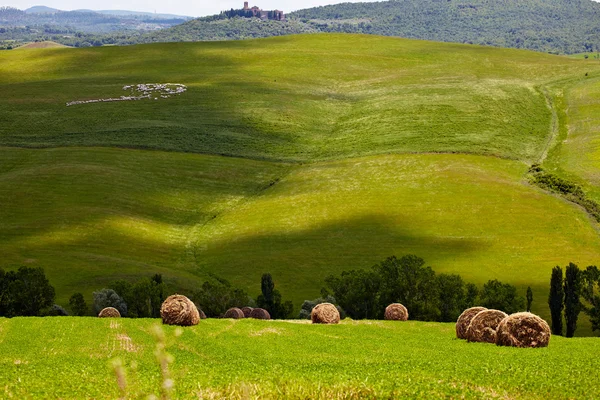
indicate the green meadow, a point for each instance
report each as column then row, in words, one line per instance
column 301, row 156
column 252, row 359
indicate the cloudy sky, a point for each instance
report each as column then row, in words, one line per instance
column 181, row 7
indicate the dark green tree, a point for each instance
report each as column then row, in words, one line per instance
column 215, row 297
column 356, row 292
column 143, row 298
column 590, row 292
column 408, row 281
column 452, row 297
column 556, row 300
column 572, row 287
column 501, row 296
column 78, row 306
column 472, row 293
column 529, row 298
column 271, row 299
column 25, row 292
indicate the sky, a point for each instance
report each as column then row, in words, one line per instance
column 181, row 7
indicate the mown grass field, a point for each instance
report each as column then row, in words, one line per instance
column 276, row 359
column 341, row 150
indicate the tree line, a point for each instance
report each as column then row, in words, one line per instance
column 575, row 291
column 427, row 296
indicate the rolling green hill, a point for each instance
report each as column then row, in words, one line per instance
column 301, row 156
column 236, row 359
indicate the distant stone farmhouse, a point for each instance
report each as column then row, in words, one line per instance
column 277, row 15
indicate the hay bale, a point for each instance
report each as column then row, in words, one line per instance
column 260, row 313
column 462, row 323
column 523, row 330
column 202, row 315
column 325, row 313
column 483, row 326
column 179, row 310
column 247, row 311
column 109, row 312
column 396, row 312
column 234, row 313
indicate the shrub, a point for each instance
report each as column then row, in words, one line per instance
column 78, row 306
column 109, row 298
column 501, row 296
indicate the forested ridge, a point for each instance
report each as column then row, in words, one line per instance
column 555, row 26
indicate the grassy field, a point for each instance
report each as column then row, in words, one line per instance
column 578, row 156
column 338, row 156
column 249, row 359
column 90, row 216
column 265, row 99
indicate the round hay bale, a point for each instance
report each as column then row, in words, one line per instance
column 462, row 323
column 325, row 313
column 179, row 310
column 523, row 330
column 202, row 315
column 396, row 312
column 260, row 313
column 234, row 313
column 109, row 312
column 483, row 326
column 247, row 311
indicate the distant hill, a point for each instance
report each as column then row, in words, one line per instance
column 39, row 18
column 556, row 26
column 127, row 13
column 41, row 45
column 566, row 26
column 41, row 10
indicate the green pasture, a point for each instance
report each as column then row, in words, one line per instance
column 295, row 98
column 578, row 155
column 301, row 156
column 72, row 358
column 91, row 216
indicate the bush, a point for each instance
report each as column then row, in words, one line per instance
column 501, row 296
column 217, row 296
column 109, row 298
column 308, row 305
column 56, row 311
column 78, row 306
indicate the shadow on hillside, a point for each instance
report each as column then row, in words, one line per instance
column 226, row 110
column 301, row 259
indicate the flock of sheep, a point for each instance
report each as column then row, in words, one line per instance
column 476, row 324
column 140, row 92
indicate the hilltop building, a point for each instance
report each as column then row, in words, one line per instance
column 277, row 15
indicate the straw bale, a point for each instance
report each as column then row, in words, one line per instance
column 396, row 312
column 247, row 311
column 523, row 330
column 179, row 310
column 325, row 313
column 462, row 323
column 483, row 326
column 109, row 312
column 234, row 313
column 260, row 313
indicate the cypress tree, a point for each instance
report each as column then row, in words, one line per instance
column 556, row 300
column 572, row 302
column 529, row 298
